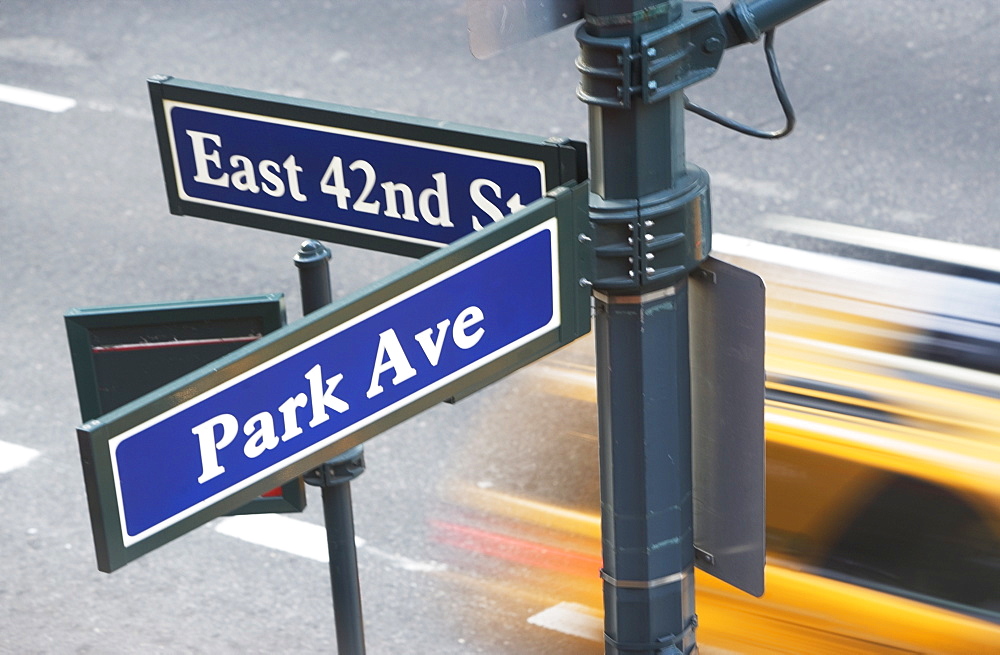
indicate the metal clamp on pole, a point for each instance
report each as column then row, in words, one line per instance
column 673, row 578
column 667, row 645
column 663, row 61
column 339, row 470
column 657, row 241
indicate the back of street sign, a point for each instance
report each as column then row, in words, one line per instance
column 352, row 176
column 456, row 320
column 727, row 414
column 122, row 353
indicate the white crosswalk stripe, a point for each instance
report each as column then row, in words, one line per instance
column 35, row 99
column 306, row 539
column 571, row 619
column 13, row 456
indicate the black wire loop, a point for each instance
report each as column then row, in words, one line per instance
column 779, row 88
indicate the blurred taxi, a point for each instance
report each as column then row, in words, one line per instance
column 883, row 468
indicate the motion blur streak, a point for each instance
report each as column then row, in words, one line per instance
column 516, row 550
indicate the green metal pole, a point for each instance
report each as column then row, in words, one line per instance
column 651, row 216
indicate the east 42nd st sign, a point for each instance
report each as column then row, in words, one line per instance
column 359, row 177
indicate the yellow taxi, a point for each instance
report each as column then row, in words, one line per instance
column 883, row 473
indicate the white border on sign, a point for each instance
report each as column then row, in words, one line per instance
column 168, row 106
column 550, row 225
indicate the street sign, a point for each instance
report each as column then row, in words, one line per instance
column 353, row 176
column 460, row 318
column 122, row 353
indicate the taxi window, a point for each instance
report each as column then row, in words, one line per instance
column 918, row 540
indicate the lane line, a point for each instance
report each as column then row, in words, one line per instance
column 35, row 99
column 305, row 539
column 571, row 619
column 13, row 456
column 406, row 563
column 943, row 251
column 278, row 532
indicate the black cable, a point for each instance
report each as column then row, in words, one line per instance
column 779, row 88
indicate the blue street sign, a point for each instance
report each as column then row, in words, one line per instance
column 463, row 316
column 358, row 177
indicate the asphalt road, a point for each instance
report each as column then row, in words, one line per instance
column 898, row 111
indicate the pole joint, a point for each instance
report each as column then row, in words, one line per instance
column 662, row 62
column 341, row 469
column 649, row 243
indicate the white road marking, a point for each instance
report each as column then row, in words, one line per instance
column 306, row 539
column 571, row 619
column 143, row 114
column 35, row 99
column 943, row 251
column 406, row 563
column 13, row 456
column 278, row 532
column 40, row 50
column 586, row 623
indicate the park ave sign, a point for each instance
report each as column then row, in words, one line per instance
column 445, row 326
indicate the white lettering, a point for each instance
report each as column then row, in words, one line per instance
column 363, row 204
column 459, row 332
column 208, row 445
column 391, row 209
column 288, row 409
column 390, row 356
column 514, row 204
column 244, row 179
column 336, row 171
column 293, row 178
column 323, row 400
column 432, row 348
column 481, row 201
column 269, row 171
column 260, row 429
column 439, row 193
column 202, row 158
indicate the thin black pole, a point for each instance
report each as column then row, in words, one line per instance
column 334, row 477
column 314, row 275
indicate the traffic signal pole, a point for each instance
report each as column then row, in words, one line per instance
column 651, row 220
column 650, row 213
